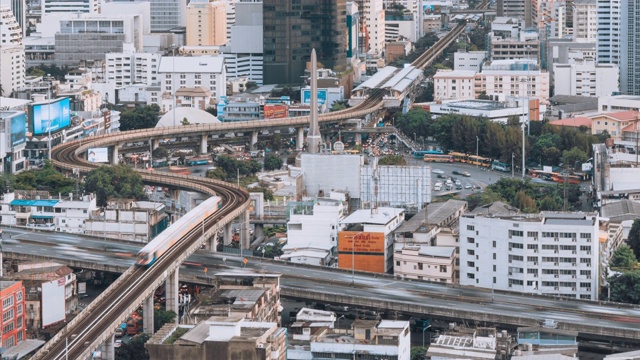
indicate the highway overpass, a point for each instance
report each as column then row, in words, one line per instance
column 591, row 320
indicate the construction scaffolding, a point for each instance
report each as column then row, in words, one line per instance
column 397, row 186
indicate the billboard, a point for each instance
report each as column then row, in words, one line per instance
column 98, row 155
column 432, row 9
column 18, row 129
column 49, row 117
column 53, row 307
column 365, row 242
column 306, row 96
column 275, row 111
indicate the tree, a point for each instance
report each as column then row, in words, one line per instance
column 160, row 153
column 161, row 317
column 418, row 353
column 185, row 121
column 272, row 162
column 604, row 135
column 47, row 179
column 392, row 160
column 212, row 110
column 114, row 182
column 573, row 156
column 625, row 287
column 623, row 258
column 339, row 105
column 634, row 237
column 134, row 349
column 144, row 117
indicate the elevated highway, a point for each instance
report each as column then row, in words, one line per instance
column 97, row 322
column 591, row 320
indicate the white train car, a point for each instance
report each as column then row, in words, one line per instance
column 163, row 242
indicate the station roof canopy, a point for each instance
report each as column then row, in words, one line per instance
column 403, row 79
column 377, row 79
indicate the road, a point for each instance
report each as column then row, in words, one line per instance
column 66, row 246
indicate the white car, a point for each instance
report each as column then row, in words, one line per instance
column 467, row 186
column 437, row 171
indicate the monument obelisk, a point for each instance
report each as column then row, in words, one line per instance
column 314, row 138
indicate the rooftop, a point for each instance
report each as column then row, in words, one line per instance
column 194, row 64
column 623, row 115
column 454, row 73
column 22, row 202
column 486, row 105
column 366, row 216
column 573, row 122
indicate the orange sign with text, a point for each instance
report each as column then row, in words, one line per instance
column 275, row 111
column 365, row 242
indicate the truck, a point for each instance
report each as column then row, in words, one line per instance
column 437, row 186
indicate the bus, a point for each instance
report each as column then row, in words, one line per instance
column 195, row 162
column 420, row 153
column 459, row 157
column 571, row 179
column 500, row 166
column 544, row 175
column 179, row 170
column 479, row 160
column 438, row 158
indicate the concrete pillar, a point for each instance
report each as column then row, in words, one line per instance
column 155, row 143
column 300, row 139
column 108, row 350
column 254, row 140
column 228, row 234
column 245, row 238
column 258, row 230
column 147, row 315
column 358, row 138
column 203, row 144
column 171, row 292
column 115, row 155
column 212, row 243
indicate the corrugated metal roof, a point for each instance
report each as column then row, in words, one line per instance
column 377, row 78
column 18, row 202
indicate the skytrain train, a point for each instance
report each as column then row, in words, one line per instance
column 163, row 242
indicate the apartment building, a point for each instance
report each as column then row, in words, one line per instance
column 206, row 23
column 585, row 78
column 454, row 84
column 425, row 262
column 547, row 253
column 614, row 122
column 469, row 60
column 205, row 71
column 13, row 323
column 127, row 68
column 9, row 27
column 585, row 21
column 608, row 31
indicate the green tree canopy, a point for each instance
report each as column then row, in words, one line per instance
column 134, row 349
column 634, row 237
column 392, row 160
column 161, row 317
column 272, row 162
column 144, row 117
column 114, row 182
column 625, row 287
column 46, row 178
column 623, row 258
column 571, row 157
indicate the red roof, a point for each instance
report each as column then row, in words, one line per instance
column 623, row 115
column 574, row 122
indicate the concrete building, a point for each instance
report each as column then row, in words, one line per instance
column 630, row 49
column 454, row 84
column 496, row 111
column 472, row 344
column 83, row 39
column 614, row 122
column 9, row 27
column 369, row 339
column 547, row 253
column 396, row 186
column 197, row 97
column 167, row 15
column 469, row 60
column 397, row 50
column 424, row 262
column 72, row 7
column 128, row 220
column 514, row 78
column 127, row 68
column 14, row 311
column 289, row 36
column 400, row 27
column 366, row 241
column 224, row 338
column 585, row 21
column 312, row 231
column 243, row 54
column 618, row 103
column 521, row 9
column 206, row 23
column 373, row 15
column 190, row 72
column 585, row 78
column 608, row 31
column 71, row 214
column 12, row 68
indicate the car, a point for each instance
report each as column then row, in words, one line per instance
column 464, row 173
column 456, row 172
column 458, row 187
column 440, row 176
column 117, row 343
column 467, row 186
column 437, row 171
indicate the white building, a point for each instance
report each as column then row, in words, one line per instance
column 397, row 30
column 547, row 253
column 70, row 6
column 243, row 52
column 585, row 78
column 370, row 339
column 373, row 14
column 9, row 27
column 12, row 69
column 618, row 103
column 131, row 67
column 312, row 231
column 608, row 31
column 469, row 60
column 496, row 111
column 520, row 78
column 454, row 84
column 71, row 214
column 424, row 262
column 128, row 220
column 205, row 71
column 585, row 21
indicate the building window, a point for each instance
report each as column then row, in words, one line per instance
column 470, row 227
column 397, row 263
column 471, row 276
column 443, row 268
column 7, row 302
column 420, row 267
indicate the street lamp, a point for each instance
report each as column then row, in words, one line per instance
column 477, row 142
column 49, row 109
column 173, row 82
column 513, row 155
column 338, row 320
column 523, row 141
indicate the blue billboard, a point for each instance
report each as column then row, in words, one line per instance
column 50, row 117
column 18, row 129
column 306, row 96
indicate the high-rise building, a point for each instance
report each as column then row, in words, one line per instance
column 18, row 8
column 585, row 20
column 608, row 31
column 14, row 312
column 9, row 27
column 291, row 30
column 206, row 23
column 522, row 9
column 167, row 14
column 70, row 6
column 373, row 15
column 12, row 70
column 243, row 52
column 630, row 48
column 127, row 68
